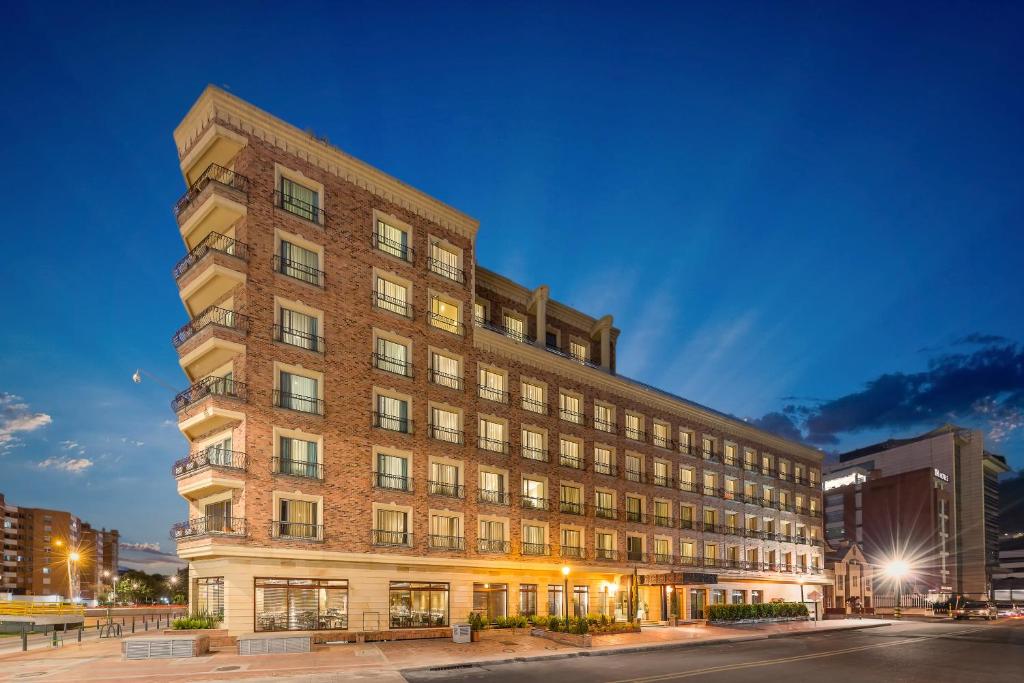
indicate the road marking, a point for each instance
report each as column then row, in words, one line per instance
column 783, row 660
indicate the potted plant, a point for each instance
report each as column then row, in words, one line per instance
column 476, row 624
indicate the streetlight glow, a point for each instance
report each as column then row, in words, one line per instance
column 897, row 569
column 565, row 570
column 74, row 556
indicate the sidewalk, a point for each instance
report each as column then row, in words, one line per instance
column 101, row 660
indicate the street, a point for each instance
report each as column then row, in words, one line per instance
column 912, row 651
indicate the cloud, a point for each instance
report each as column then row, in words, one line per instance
column 65, row 464
column 15, row 417
column 985, row 386
column 131, row 442
column 778, row 423
column 143, row 547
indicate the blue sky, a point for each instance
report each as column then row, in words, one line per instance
column 805, row 216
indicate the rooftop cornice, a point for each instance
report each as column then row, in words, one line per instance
column 215, row 104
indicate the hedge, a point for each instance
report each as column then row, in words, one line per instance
column 764, row 610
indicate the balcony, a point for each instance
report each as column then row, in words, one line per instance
column 492, row 393
column 455, row 436
column 504, row 330
column 213, row 316
column 396, row 249
column 299, row 338
column 570, row 507
column 538, row 454
column 568, row 460
column 449, row 543
column 606, row 513
column 445, row 380
column 213, row 525
column 492, row 497
column 534, row 406
column 604, row 425
column 446, row 490
column 300, row 404
column 664, row 521
column 663, row 480
column 213, row 203
column 634, row 475
column 392, row 305
column 663, row 442
column 392, row 423
column 687, row 486
column 209, row 471
column 385, row 538
column 570, row 416
column 445, row 323
column 392, row 482
column 223, row 331
column 446, row 270
column 573, row 552
column 662, row 558
column 214, row 243
column 607, row 554
column 298, row 207
column 711, row 456
column 297, row 468
column 532, row 503
column 606, row 468
column 486, row 545
column 216, row 391
column 296, row 531
column 535, row 549
column 635, row 434
column 493, row 445
column 396, row 366
column 299, row 271
column 636, row 517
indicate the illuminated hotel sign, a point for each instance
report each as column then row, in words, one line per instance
column 941, row 475
column 845, row 480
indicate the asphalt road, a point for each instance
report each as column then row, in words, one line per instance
column 964, row 652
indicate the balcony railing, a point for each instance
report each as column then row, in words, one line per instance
column 664, row 480
column 396, row 366
column 300, row 208
column 571, row 416
column 604, row 426
column 299, row 338
column 569, row 356
column 534, row 406
column 635, row 434
column 568, row 460
column 445, row 434
column 212, row 242
column 504, row 330
column 711, row 456
column 391, row 482
column 492, row 497
column 493, row 445
column 302, row 404
column 492, row 394
column 634, row 475
column 532, row 503
column 297, row 530
column 297, row 468
column 209, row 457
column 446, row 270
column 541, row 549
column 210, row 386
column 211, row 316
column 665, row 521
column 392, row 423
column 211, row 525
column 662, row 558
column 435, row 542
column 299, row 271
column 636, row 517
column 445, row 323
column 446, row 490
column 390, row 246
column 570, row 507
column 663, row 442
column 445, row 380
column 486, row 545
column 389, row 303
column 538, row 454
column 688, row 486
column 606, row 554
column 572, row 551
column 606, row 513
column 607, row 468
column 214, row 173
column 382, row 537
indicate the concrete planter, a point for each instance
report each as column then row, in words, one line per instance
column 770, row 620
column 576, row 639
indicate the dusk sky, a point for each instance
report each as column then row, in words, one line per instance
column 806, row 218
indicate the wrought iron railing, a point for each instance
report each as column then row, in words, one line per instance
column 535, row 549
column 604, row 425
column 383, row 537
column 568, row 460
column 494, row 445
column 492, row 393
column 570, row 507
column 493, row 497
column 445, row 323
column 538, row 454
column 393, row 305
column 635, row 434
column 214, row 173
column 210, row 386
column 304, row 340
column 392, row 423
column 391, row 482
column 570, row 416
column 299, row 271
column 606, row 554
column 209, row 457
column 533, row 503
column 571, row 551
column 606, row 512
column 297, row 468
column 446, row 490
column 208, row 526
column 397, row 366
column 211, row 316
column 535, row 406
column 390, row 246
column 302, row 404
column 486, row 545
column 444, row 379
column 446, row 434
column 300, row 208
column 606, row 468
column 438, row 542
column 446, row 270
column 212, row 242
column 297, row 530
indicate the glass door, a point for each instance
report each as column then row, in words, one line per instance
column 698, row 599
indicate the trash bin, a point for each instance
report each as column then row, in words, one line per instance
column 461, row 633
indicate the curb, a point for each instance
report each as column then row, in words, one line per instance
column 631, row 649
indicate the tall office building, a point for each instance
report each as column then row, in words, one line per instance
column 385, row 435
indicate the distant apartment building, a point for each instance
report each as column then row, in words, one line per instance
column 385, row 435
column 36, row 544
column 931, row 500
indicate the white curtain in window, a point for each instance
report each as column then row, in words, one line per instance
column 492, row 531
column 493, row 431
column 391, row 520
column 445, row 474
column 391, row 465
column 445, row 419
column 492, row 481
column 441, row 525
column 533, row 534
column 445, row 365
column 571, row 538
column 298, row 385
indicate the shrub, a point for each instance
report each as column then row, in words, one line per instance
column 553, row 623
column 196, row 621
column 476, row 621
column 769, row 610
column 539, row 620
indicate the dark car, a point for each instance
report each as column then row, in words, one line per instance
column 975, row 610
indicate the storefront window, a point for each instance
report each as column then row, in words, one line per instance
column 580, row 601
column 490, row 600
column 717, row 597
column 756, row 597
column 418, row 604
column 208, row 596
column 528, row 599
column 739, row 597
column 555, row 600
column 301, row 604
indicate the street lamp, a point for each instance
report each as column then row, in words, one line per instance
column 671, row 605
column 73, row 556
column 565, row 594
column 896, row 570
column 801, row 582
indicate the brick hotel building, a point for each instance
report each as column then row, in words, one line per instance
column 385, row 435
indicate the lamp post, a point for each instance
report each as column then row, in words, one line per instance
column 801, row 582
column 896, row 570
column 671, row 604
column 565, row 594
column 73, row 557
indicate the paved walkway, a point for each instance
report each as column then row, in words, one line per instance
column 101, row 660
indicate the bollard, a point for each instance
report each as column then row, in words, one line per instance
column 79, row 634
column 133, row 623
column 24, row 637
column 54, row 641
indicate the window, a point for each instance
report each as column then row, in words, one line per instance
column 756, row 597
column 710, row 484
column 418, row 604
column 515, row 327
column 393, row 240
column 686, row 479
column 569, row 408
column 218, row 517
column 298, row 519
column 492, row 488
column 708, row 448
column 299, row 329
column 533, row 398
column 604, row 504
column 605, row 546
column 445, row 533
column 580, row 600
column 392, row 414
column 571, row 500
column 527, row 599
column 634, row 468
column 579, row 350
column 604, row 417
column 492, row 385
column 634, row 427
column 634, row 548
column 662, row 550
column 298, row 392
column 392, row 296
column 603, row 461
column 661, row 435
column 634, row 509
column 392, row 356
column 739, row 597
column 391, row 527
column 730, row 454
column 445, row 425
column 208, row 595
column 445, row 262
column 533, row 445
column 551, row 339
column 299, row 263
column 492, row 537
column 555, row 600
column 685, row 441
column 749, row 460
column 685, row 516
column 534, row 540
column 490, row 600
column 571, row 546
column 445, row 370
column 392, row 472
column 298, row 458
column 445, row 315
column 299, row 604
column 300, row 200
column 534, row 495
column 444, row 480
column 686, row 552
column 492, row 436
column 710, row 552
column 480, row 312
column 660, row 474
column 570, row 453
column 662, row 513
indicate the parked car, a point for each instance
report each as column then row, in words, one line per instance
column 975, row 610
column 1008, row 609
